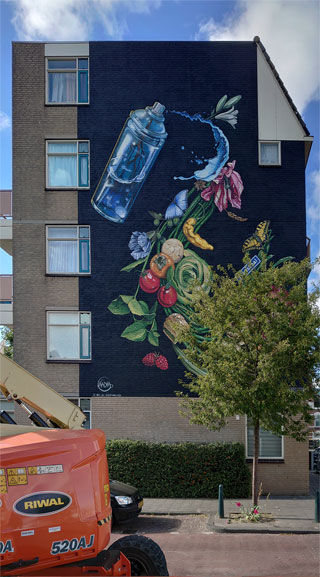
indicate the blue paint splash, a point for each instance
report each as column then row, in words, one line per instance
column 215, row 164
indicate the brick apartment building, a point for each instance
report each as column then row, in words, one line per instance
column 222, row 115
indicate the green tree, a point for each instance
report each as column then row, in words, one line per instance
column 261, row 356
column 7, row 337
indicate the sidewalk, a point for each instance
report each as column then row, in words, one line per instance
column 291, row 514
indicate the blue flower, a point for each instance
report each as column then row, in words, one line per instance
column 139, row 244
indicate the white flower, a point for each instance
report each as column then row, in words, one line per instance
column 229, row 116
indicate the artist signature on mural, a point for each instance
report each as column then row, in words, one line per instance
column 104, row 385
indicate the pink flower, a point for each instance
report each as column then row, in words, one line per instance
column 238, row 504
column 255, row 511
column 227, row 187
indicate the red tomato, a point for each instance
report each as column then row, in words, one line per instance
column 167, row 296
column 148, row 282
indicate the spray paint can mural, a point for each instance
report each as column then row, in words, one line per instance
column 135, row 152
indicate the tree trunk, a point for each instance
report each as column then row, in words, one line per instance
column 255, row 464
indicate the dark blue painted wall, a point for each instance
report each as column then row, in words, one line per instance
column 193, row 76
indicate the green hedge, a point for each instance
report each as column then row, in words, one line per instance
column 182, row 470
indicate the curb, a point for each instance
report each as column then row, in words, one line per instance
column 267, row 531
column 221, row 526
column 216, row 526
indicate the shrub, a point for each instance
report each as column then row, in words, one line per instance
column 182, row 470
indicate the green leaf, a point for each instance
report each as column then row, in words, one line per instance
column 135, row 332
column 144, row 307
column 133, row 264
column 151, row 234
column 154, row 307
column 147, row 320
column 154, row 326
column 153, row 339
column 126, row 298
column 157, row 215
column 135, row 307
column 221, row 103
column 170, row 275
column 118, row 307
column 232, row 101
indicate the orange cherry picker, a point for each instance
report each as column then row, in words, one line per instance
column 55, row 512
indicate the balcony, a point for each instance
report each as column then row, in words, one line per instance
column 6, row 298
column 6, row 221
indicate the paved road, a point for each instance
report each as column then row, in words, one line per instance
column 229, row 555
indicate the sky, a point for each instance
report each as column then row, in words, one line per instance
column 289, row 30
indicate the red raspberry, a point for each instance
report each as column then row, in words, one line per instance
column 149, row 360
column 162, row 363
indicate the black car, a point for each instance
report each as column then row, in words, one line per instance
column 126, row 501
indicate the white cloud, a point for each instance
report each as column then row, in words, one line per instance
column 5, row 121
column 63, row 20
column 289, row 30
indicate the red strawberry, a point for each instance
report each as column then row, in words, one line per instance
column 149, row 360
column 162, row 363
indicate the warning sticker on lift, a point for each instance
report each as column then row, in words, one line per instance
column 44, row 469
column 17, row 476
column 3, row 482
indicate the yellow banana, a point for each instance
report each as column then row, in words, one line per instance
column 193, row 237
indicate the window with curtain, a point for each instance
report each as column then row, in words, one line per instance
column 269, row 153
column 68, row 335
column 67, row 81
column 68, row 164
column 68, row 249
column 270, row 445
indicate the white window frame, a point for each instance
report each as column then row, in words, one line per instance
column 79, row 240
column 316, row 417
column 77, row 154
column 278, row 142
column 80, row 325
column 263, row 458
column 75, row 70
column 77, row 401
column 6, row 405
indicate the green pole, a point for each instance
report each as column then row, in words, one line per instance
column 317, row 507
column 221, row 507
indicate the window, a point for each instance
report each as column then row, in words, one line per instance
column 67, row 81
column 270, row 445
column 269, row 153
column 85, row 406
column 69, row 335
column 68, row 164
column 68, row 249
column 317, row 419
column 317, row 401
column 7, row 406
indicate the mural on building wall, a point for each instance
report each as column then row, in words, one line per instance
column 171, row 256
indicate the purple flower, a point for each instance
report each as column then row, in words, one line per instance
column 140, row 245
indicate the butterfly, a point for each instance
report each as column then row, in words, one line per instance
column 178, row 206
column 258, row 238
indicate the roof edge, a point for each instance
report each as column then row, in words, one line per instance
column 285, row 91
